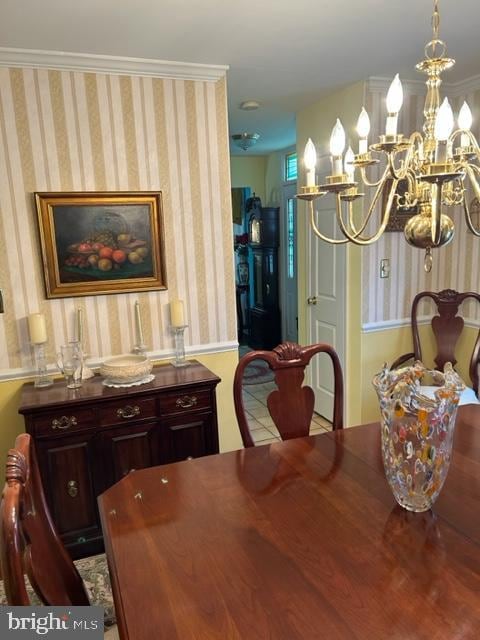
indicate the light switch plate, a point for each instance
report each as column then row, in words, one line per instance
column 384, row 268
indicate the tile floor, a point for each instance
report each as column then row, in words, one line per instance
column 261, row 424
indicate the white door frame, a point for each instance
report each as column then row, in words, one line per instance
column 287, row 289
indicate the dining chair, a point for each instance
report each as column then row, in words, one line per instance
column 291, row 404
column 30, row 544
column 447, row 327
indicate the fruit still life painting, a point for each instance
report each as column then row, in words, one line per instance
column 102, row 246
column 105, row 245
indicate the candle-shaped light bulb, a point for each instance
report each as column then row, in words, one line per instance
column 348, row 164
column 310, row 160
column 395, row 96
column 337, row 145
column 465, row 120
column 394, row 104
column 443, row 129
column 337, row 139
column 444, row 121
column 363, row 129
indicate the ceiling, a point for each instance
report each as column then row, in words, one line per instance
column 284, row 54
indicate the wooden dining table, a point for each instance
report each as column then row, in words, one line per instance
column 299, row 539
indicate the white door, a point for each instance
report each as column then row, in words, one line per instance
column 326, row 273
column 288, row 256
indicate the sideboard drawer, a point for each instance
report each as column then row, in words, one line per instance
column 126, row 410
column 70, row 420
column 179, row 401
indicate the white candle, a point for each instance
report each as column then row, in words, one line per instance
column 80, row 325
column 37, row 328
column 138, row 324
column 177, row 315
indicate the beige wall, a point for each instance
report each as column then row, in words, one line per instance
column 62, row 131
column 249, row 171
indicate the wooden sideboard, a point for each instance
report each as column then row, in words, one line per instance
column 88, row 439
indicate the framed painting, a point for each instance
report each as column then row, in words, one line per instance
column 95, row 243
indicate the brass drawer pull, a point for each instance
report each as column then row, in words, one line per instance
column 186, row 402
column 65, row 422
column 129, row 411
column 72, row 488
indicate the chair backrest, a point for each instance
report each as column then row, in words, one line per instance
column 291, row 404
column 447, row 327
column 29, row 542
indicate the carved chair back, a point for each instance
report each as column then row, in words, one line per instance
column 291, row 404
column 29, row 541
column 447, row 327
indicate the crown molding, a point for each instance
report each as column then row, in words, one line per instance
column 67, row 61
column 455, row 89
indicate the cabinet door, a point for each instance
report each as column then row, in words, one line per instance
column 190, row 435
column 66, row 467
column 128, row 448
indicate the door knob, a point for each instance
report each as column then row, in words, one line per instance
column 312, row 300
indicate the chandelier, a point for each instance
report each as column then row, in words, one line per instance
column 245, row 140
column 423, row 173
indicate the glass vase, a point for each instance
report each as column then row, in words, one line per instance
column 417, row 431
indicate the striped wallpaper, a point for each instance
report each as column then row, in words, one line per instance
column 455, row 266
column 76, row 131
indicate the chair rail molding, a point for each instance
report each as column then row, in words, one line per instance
column 382, row 325
column 157, row 356
column 119, row 65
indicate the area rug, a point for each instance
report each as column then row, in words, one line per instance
column 257, row 373
column 94, row 572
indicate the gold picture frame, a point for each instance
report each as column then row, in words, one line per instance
column 96, row 243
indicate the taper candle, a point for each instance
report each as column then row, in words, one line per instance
column 37, row 328
column 80, row 325
column 138, row 324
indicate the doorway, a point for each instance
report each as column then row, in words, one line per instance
column 325, row 266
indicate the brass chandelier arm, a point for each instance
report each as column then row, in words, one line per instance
column 317, row 231
column 356, row 238
column 471, row 170
column 468, row 219
column 367, row 217
column 406, row 163
column 473, row 140
column 367, row 183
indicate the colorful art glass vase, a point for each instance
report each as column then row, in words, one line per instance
column 417, row 431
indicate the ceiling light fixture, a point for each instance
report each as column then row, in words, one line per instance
column 245, row 140
column 249, row 105
column 423, row 172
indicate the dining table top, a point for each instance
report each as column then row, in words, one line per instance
column 300, row 539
